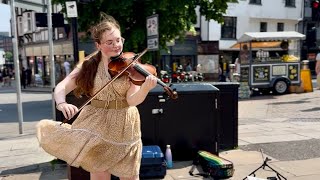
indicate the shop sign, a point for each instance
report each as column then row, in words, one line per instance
column 208, row 47
column 184, row 48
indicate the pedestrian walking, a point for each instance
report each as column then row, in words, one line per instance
column 23, row 77
column 1, row 78
column 28, row 75
column 6, row 77
column 318, row 70
column 105, row 138
column 67, row 68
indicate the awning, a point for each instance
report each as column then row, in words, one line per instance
column 271, row 36
column 257, row 45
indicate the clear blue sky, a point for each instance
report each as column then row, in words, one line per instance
column 5, row 16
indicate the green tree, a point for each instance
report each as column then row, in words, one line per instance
column 176, row 17
column 8, row 56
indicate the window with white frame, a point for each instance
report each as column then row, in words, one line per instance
column 27, row 22
column 229, row 28
column 290, row 3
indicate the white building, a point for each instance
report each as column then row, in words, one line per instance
column 251, row 16
column 2, row 58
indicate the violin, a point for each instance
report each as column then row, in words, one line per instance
column 128, row 63
column 136, row 71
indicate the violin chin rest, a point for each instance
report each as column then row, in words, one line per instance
column 116, row 57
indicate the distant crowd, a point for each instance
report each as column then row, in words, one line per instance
column 7, row 75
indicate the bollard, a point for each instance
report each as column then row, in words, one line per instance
column 306, row 76
column 232, row 68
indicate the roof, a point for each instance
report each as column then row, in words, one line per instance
column 271, row 36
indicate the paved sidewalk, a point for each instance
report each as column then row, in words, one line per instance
column 271, row 122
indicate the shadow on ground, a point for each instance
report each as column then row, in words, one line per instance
column 42, row 171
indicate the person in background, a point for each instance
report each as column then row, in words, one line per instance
column 105, row 138
column 23, row 77
column 317, row 69
column 188, row 67
column 6, row 77
column 237, row 65
column 244, row 55
column 1, row 78
column 67, row 68
column 28, row 74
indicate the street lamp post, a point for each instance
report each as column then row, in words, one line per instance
column 51, row 58
column 16, row 64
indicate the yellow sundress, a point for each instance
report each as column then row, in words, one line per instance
column 101, row 138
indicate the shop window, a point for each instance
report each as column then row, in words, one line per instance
column 263, row 27
column 255, row 2
column 290, row 3
column 280, row 27
column 229, row 28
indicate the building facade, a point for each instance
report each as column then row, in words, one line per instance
column 209, row 48
column 33, row 41
column 251, row 16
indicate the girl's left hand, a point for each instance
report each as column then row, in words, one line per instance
column 149, row 83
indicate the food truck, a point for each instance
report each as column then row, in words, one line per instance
column 271, row 61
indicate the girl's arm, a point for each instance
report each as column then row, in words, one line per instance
column 61, row 90
column 137, row 94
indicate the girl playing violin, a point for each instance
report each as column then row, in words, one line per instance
column 105, row 138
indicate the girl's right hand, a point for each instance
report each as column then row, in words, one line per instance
column 68, row 110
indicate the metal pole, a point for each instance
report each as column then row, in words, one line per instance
column 75, row 39
column 16, row 64
column 51, row 58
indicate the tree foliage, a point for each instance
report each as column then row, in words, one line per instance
column 8, row 56
column 176, row 17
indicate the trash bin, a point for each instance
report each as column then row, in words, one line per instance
column 188, row 123
column 228, row 104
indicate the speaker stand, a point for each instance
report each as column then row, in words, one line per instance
column 265, row 164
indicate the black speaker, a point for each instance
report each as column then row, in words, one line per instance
column 228, row 103
column 188, row 124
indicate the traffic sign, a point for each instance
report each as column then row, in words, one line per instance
column 152, row 25
column 153, row 43
column 71, row 9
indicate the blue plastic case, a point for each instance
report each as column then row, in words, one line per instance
column 153, row 163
